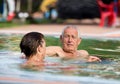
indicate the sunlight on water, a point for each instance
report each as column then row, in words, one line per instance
column 74, row 71
column 78, row 72
column 111, row 50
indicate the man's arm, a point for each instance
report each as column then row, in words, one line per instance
column 83, row 53
column 54, row 51
column 89, row 58
column 94, row 59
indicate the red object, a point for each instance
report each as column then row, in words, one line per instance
column 107, row 12
column 118, row 5
column 10, row 16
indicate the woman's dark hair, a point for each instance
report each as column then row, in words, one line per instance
column 30, row 42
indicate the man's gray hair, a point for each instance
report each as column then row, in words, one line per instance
column 71, row 26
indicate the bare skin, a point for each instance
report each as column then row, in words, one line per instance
column 70, row 42
column 36, row 61
column 38, row 58
column 59, row 52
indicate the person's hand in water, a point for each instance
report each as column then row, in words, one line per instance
column 93, row 59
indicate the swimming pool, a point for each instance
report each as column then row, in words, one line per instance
column 106, row 72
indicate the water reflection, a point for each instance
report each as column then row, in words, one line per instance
column 72, row 71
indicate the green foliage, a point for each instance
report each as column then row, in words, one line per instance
column 9, row 24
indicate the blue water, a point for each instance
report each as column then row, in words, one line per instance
column 74, row 71
column 12, row 73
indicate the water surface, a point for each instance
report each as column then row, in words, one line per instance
column 72, row 71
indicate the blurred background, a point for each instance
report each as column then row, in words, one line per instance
column 61, row 11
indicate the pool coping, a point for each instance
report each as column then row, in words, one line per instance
column 55, row 30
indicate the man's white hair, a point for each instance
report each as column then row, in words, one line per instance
column 71, row 26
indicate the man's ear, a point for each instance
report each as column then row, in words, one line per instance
column 60, row 37
column 79, row 40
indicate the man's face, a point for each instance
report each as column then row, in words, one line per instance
column 70, row 40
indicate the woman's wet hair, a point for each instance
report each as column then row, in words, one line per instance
column 30, row 43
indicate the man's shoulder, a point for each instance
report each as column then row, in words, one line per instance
column 83, row 52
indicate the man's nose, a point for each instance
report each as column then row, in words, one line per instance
column 70, row 39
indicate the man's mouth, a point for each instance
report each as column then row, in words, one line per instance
column 70, row 44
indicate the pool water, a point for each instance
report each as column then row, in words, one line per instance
column 72, row 71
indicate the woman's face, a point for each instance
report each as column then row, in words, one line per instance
column 43, row 49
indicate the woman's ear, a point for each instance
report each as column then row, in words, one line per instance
column 39, row 49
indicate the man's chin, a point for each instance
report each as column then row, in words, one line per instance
column 69, row 50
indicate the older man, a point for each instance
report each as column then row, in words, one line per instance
column 70, row 40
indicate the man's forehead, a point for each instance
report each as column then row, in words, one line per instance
column 71, row 30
